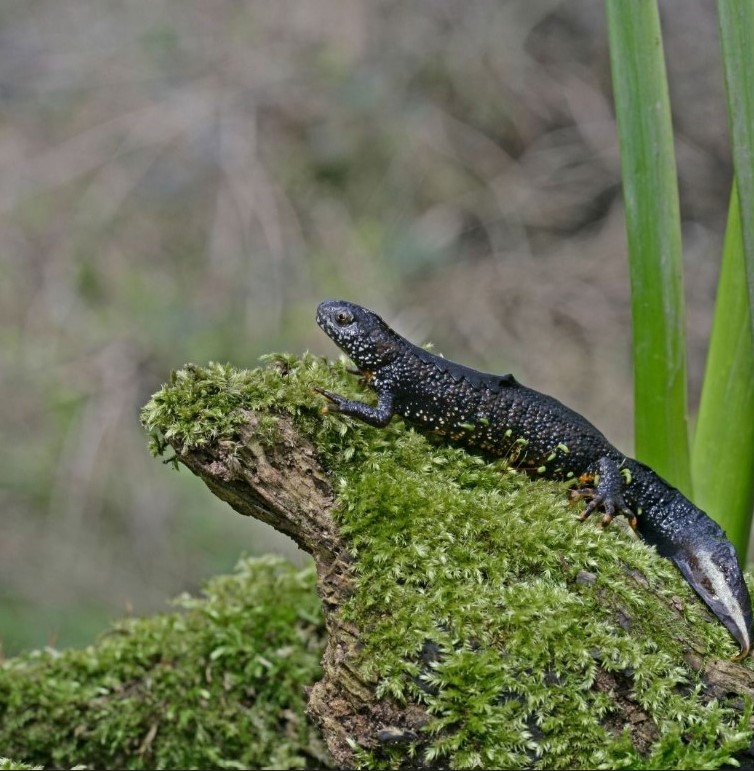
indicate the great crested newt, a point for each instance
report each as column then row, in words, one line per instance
column 497, row 416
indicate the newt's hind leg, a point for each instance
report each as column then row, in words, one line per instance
column 607, row 494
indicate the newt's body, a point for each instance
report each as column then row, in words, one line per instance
column 495, row 415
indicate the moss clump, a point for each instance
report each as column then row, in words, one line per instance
column 218, row 684
column 484, row 600
column 478, row 594
column 207, row 404
column 11, row 765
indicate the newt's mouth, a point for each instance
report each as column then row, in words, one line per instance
column 323, row 321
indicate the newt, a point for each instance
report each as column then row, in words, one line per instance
column 497, row 416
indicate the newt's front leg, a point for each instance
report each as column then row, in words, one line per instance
column 378, row 416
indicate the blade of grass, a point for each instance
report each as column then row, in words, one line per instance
column 737, row 38
column 654, row 237
column 722, row 460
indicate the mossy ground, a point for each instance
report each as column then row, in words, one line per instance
column 6, row 764
column 218, row 684
column 479, row 594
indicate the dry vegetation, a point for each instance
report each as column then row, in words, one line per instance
column 185, row 181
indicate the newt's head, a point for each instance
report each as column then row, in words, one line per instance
column 363, row 335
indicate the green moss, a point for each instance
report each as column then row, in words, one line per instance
column 207, row 404
column 11, row 765
column 483, row 569
column 219, row 684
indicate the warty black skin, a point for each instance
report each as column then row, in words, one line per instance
column 497, row 416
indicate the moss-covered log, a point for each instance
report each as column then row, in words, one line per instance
column 472, row 621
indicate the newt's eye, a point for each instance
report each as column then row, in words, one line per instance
column 343, row 318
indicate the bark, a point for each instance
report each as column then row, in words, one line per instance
column 284, row 485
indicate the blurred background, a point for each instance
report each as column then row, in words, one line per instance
column 185, row 181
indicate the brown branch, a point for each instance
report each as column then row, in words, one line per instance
column 284, row 485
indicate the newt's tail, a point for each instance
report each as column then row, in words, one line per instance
column 698, row 546
column 712, row 570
